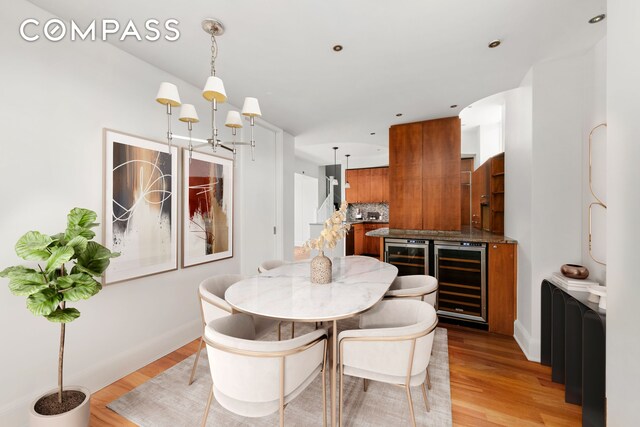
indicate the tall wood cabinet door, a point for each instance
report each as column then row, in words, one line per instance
column 351, row 194
column 441, row 174
column 385, row 184
column 405, row 176
column 377, row 185
column 479, row 193
column 364, row 185
column 502, row 277
column 358, row 239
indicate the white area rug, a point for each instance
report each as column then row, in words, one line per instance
column 167, row 400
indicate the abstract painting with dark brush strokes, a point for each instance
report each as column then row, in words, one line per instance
column 208, row 222
column 141, row 202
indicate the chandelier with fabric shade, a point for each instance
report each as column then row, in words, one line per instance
column 215, row 93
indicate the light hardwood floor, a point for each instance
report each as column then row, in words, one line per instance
column 492, row 384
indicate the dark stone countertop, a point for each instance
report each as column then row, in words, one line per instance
column 467, row 234
column 367, row 221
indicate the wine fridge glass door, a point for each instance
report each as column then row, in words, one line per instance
column 408, row 258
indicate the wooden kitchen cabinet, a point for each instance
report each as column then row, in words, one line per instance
column 502, row 278
column 358, row 239
column 405, row 176
column 369, row 185
column 364, row 185
column 487, row 195
column 363, row 244
column 351, row 194
column 385, row 184
column 479, row 194
column 424, row 175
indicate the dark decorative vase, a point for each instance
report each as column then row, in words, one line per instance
column 574, row 271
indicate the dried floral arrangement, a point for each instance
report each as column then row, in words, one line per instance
column 334, row 230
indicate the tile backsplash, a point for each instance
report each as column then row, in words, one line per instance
column 382, row 208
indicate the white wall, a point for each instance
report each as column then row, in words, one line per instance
column 306, row 167
column 288, row 172
column 545, row 199
column 623, row 227
column 58, row 98
column 518, row 203
column 470, row 143
column 595, row 113
column 490, row 141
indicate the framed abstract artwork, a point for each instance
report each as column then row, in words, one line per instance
column 140, row 206
column 207, row 209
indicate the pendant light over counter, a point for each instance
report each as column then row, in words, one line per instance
column 335, row 166
column 215, row 93
column 346, row 183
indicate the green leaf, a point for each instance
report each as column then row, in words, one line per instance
column 78, row 286
column 32, row 246
column 58, row 257
column 65, row 315
column 59, row 238
column 44, row 302
column 78, row 231
column 79, row 244
column 24, row 281
column 94, row 260
column 79, row 217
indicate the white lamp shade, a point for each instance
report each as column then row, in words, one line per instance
column 251, row 108
column 347, row 185
column 233, row 120
column 214, row 89
column 168, row 94
column 188, row 114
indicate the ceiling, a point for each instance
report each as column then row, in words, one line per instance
column 486, row 111
column 416, row 57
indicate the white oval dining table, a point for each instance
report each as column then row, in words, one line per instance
column 286, row 293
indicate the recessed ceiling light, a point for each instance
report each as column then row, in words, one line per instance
column 495, row 43
column 598, row 18
column 372, row 133
column 454, row 106
column 337, row 48
column 399, row 114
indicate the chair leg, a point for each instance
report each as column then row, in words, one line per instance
column 195, row 362
column 279, row 331
column 206, row 410
column 324, row 395
column 428, row 379
column 341, row 394
column 424, row 396
column 365, row 385
column 293, row 330
column 413, row 416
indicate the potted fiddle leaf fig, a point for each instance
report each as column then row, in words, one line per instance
column 65, row 270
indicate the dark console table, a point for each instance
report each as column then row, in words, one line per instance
column 573, row 344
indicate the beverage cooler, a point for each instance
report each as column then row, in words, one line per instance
column 460, row 268
column 408, row 255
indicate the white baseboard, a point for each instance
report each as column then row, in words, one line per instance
column 530, row 347
column 109, row 370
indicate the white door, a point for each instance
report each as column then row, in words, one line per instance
column 306, row 206
column 259, row 200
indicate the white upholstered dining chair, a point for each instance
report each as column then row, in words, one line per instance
column 270, row 265
column 415, row 286
column 393, row 345
column 258, row 378
column 213, row 306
